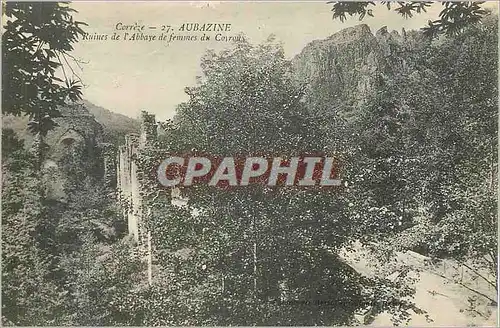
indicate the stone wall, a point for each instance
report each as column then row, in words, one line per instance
column 71, row 151
column 109, row 165
column 128, row 175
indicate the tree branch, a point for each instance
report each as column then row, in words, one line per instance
column 480, row 275
column 468, row 288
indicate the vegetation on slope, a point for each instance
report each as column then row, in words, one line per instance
column 419, row 152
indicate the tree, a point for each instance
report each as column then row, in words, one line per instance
column 100, row 281
column 462, row 192
column 455, row 16
column 10, row 143
column 60, row 261
column 36, row 42
column 428, row 141
column 264, row 256
column 29, row 294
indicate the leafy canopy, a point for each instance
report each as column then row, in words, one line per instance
column 36, row 42
column 453, row 18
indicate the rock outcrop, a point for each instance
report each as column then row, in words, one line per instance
column 346, row 67
column 342, row 67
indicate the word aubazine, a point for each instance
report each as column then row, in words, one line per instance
column 205, row 27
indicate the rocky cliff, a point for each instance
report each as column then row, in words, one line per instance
column 340, row 73
column 343, row 69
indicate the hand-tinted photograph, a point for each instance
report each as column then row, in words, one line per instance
column 249, row 163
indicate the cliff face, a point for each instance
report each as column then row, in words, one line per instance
column 346, row 67
column 343, row 66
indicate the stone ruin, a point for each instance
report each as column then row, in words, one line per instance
column 128, row 181
column 76, row 144
column 74, row 150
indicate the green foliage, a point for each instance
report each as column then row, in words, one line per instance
column 428, row 141
column 50, row 275
column 35, row 44
column 29, row 297
column 265, row 256
column 453, row 18
column 10, row 143
column 115, row 126
column 419, row 169
column 98, row 279
column 260, row 92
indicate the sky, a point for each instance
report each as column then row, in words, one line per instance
column 127, row 76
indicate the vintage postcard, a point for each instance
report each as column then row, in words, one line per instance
column 249, row 163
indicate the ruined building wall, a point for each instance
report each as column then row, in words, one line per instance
column 71, row 152
column 149, row 128
column 128, row 175
column 126, row 183
column 108, row 158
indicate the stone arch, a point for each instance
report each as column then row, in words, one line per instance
column 69, row 137
column 67, row 141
